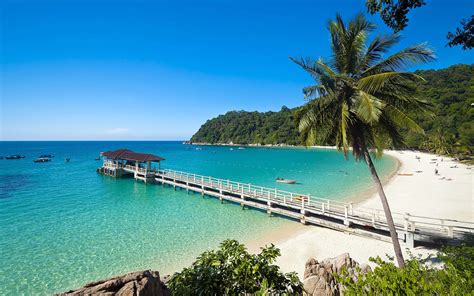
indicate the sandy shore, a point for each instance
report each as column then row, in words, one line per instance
column 447, row 195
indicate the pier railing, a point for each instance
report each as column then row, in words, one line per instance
column 307, row 203
column 130, row 168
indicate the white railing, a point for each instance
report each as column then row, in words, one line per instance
column 332, row 208
column 128, row 167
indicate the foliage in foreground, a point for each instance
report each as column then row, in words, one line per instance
column 416, row 278
column 231, row 270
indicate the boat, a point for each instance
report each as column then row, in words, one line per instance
column 97, row 158
column 16, row 156
column 286, row 181
column 42, row 159
column 46, row 156
column 301, row 198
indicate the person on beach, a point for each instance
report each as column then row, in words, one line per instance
column 436, row 171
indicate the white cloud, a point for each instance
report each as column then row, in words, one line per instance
column 118, row 131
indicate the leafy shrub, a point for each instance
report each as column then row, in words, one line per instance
column 455, row 278
column 231, row 270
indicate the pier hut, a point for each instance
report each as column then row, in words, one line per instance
column 123, row 163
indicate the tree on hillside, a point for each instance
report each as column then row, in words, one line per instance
column 393, row 13
column 463, row 36
column 360, row 99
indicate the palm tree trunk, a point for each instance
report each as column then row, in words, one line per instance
column 386, row 209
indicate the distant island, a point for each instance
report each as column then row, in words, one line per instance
column 449, row 130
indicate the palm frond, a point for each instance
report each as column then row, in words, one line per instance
column 402, row 120
column 367, row 107
column 409, row 56
column 378, row 46
column 377, row 82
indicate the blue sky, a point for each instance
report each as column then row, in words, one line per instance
column 151, row 70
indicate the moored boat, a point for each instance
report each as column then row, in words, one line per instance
column 15, row 157
column 42, row 159
column 286, row 181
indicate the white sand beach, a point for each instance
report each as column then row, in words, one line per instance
column 447, row 195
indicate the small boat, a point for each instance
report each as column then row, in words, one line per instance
column 15, row 157
column 97, row 158
column 301, row 198
column 46, row 156
column 286, row 181
column 42, row 159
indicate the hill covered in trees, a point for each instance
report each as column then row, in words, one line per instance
column 449, row 129
column 242, row 127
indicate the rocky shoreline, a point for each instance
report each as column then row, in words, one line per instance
column 146, row 283
column 318, row 280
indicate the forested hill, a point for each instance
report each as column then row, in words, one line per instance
column 451, row 130
column 244, row 127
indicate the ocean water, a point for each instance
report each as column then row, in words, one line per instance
column 63, row 225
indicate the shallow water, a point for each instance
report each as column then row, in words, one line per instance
column 63, row 225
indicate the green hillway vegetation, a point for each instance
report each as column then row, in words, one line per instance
column 448, row 126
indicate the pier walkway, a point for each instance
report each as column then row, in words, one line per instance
column 308, row 209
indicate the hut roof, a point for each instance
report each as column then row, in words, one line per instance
column 126, row 154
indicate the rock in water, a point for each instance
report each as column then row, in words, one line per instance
column 319, row 279
column 143, row 283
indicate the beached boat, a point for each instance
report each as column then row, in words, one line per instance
column 286, row 181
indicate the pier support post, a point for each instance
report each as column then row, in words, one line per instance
column 303, row 220
column 410, row 239
column 269, row 207
column 346, row 220
column 303, row 213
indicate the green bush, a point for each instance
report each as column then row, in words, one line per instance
column 231, row 270
column 455, row 278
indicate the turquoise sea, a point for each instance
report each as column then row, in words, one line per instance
column 63, row 225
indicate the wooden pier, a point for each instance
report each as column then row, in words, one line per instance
column 310, row 209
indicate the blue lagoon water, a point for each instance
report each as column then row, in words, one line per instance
column 63, row 225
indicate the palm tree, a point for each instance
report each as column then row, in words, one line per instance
column 360, row 99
